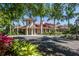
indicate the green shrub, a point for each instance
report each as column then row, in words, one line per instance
column 58, row 33
column 23, row 48
column 66, row 32
column 52, row 32
column 49, row 33
column 45, row 33
column 12, row 33
column 1, row 30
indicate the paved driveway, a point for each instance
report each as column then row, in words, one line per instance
column 72, row 44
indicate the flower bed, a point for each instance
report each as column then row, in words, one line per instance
column 5, row 43
column 16, row 47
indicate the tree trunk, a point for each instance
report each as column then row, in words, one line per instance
column 17, row 30
column 26, row 29
column 10, row 27
column 68, row 25
column 34, row 32
column 41, row 24
column 13, row 27
column 10, row 30
column 54, row 27
column 32, row 28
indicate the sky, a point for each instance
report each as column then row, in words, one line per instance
column 62, row 23
column 51, row 21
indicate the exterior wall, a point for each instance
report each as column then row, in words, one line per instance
column 38, row 31
column 31, row 28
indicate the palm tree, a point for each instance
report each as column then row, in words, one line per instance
column 30, row 11
column 55, row 13
column 69, row 9
column 41, row 11
column 36, row 10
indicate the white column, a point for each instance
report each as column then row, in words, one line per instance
column 32, row 27
column 32, row 31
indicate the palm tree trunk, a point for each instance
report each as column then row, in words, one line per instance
column 13, row 27
column 10, row 27
column 54, row 27
column 41, row 24
column 10, row 30
column 34, row 32
column 17, row 30
column 32, row 28
column 68, row 25
column 26, row 29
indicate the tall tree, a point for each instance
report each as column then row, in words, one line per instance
column 30, row 11
column 37, row 10
column 11, row 12
column 55, row 13
column 69, row 10
column 41, row 11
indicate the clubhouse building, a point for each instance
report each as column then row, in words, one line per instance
column 35, row 29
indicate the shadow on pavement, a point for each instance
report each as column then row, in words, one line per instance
column 47, row 46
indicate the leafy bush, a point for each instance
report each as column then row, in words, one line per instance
column 49, row 33
column 71, row 30
column 58, row 33
column 12, row 33
column 52, row 33
column 5, row 43
column 45, row 33
column 23, row 48
column 1, row 30
column 66, row 32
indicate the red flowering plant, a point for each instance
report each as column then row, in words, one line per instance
column 5, row 42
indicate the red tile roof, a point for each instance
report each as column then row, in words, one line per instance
column 45, row 25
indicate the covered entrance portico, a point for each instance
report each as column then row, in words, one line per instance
column 29, row 31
